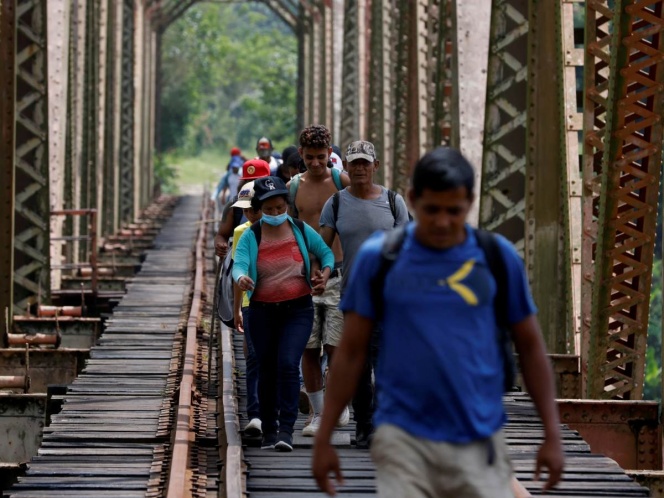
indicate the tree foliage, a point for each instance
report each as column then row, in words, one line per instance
column 229, row 77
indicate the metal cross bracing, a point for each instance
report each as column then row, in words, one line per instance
column 31, row 228
column 7, row 120
column 630, row 179
column 350, row 124
column 126, row 163
column 503, row 186
column 444, row 114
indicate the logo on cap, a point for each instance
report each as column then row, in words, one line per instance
column 360, row 150
column 251, row 170
column 270, row 184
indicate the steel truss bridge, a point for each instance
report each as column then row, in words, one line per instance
column 562, row 121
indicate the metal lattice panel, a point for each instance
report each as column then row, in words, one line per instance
column 597, row 74
column 504, row 162
column 127, row 114
column 7, row 123
column 379, row 81
column 31, row 229
column 350, row 123
column 400, row 163
column 631, row 170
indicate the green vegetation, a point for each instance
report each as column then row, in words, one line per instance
column 229, row 77
column 652, row 388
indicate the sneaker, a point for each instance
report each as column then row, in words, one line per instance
column 363, row 436
column 269, row 441
column 311, row 429
column 253, row 428
column 285, row 442
column 303, row 402
column 344, row 418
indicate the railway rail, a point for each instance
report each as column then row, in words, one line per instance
column 157, row 411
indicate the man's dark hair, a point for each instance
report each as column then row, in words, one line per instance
column 295, row 161
column 287, row 152
column 315, row 137
column 258, row 204
column 443, row 169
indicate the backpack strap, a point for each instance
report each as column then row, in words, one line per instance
column 336, row 177
column 292, row 190
column 392, row 199
column 256, row 228
column 496, row 263
column 300, row 225
column 388, row 255
column 335, row 209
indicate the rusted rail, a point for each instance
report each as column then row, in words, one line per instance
column 233, row 460
column 184, row 432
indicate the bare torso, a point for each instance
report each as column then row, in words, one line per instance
column 311, row 196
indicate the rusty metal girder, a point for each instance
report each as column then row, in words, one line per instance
column 630, row 177
column 627, row 431
column 7, row 126
column 31, row 228
column 597, row 74
column 444, row 114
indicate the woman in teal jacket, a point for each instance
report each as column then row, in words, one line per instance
column 272, row 265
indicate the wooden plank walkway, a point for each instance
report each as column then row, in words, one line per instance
column 115, row 423
column 274, row 475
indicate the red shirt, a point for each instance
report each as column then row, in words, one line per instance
column 280, row 271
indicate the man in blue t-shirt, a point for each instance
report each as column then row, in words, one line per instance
column 440, row 373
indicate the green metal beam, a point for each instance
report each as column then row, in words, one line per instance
column 31, row 228
column 7, row 126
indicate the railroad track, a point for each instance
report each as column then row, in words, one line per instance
column 140, row 419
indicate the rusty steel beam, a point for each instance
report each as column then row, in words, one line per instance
column 627, row 431
column 31, row 228
column 444, row 113
column 544, row 233
column 630, row 177
column 597, row 74
column 502, row 195
column 7, row 127
column 127, row 95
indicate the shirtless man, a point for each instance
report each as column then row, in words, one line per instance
column 309, row 191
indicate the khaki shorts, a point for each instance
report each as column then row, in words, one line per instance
column 419, row 468
column 328, row 318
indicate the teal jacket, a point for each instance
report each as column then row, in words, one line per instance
column 246, row 253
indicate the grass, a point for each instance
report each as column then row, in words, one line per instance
column 194, row 173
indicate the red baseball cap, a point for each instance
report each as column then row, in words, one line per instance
column 235, row 151
column 255, row 168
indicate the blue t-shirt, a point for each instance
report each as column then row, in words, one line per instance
column 440, row 370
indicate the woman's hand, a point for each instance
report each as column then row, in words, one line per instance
column 245, row 283
column 319, row 281
column 239, row 323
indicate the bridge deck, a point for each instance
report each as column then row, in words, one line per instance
column 271, row 474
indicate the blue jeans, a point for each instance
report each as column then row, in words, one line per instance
column 279, row 333
column 253, row 410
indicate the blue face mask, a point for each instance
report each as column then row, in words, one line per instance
column 275, row 221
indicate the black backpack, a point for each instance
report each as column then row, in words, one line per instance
column 487, row 241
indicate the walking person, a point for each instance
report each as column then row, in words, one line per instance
column 241, row 311
column 354, row 214
column 272, row 266
column 442, row 365
column 309, row 191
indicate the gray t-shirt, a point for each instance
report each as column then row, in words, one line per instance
column 357, row 219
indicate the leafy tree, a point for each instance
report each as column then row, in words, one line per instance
column 229, row 77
